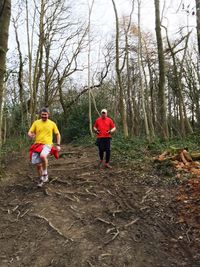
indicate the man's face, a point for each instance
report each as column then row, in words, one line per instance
column 103, row 115
column 44, row 116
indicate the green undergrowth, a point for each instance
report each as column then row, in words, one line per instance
column 11, row 146
column 124, row 150
column 139, row 149
column 14, row 145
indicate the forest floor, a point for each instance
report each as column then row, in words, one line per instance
column 127, row 216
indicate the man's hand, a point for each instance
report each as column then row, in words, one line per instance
column 97, row 131
column 58, row 148
column 31, row 135
column 111, row 130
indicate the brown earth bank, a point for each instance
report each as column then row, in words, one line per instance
column 126, row 216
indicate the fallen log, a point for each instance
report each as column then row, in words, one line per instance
column 180, row 154
column 195, row 155
column 181, row 159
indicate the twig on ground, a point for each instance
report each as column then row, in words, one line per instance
column 113, row 238
column 115, row 212
column 24, row 213
column 73, row 208
column 15, row 208
column 102, row 256
column 54, row 179
column 104, row 221
column 110, row 229
column 188, row 238
column 72, row 199
column 145, row 208
column 90, row 264
column 146, row 195
column 72, row 225
column 88, row 174
column 52, row 226
column 77, row 211
column 123, row 204
column 131, row 223
column 110, row 193
column 90, row 193
column 128, row 206
column 77, row 199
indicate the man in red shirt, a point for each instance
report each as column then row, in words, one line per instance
column 104, row 127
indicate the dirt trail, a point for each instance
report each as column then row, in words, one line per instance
column 86, row 217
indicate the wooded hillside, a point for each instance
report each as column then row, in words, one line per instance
column 148, row 81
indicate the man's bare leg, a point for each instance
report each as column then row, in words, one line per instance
column 40, row 173
column 44, row 163
column 39, row 169
column 44, row 167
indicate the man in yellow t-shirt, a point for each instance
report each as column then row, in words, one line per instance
column 42, row 131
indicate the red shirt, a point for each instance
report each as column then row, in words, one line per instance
column 104, row 125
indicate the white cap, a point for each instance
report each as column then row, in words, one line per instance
column 104, row 111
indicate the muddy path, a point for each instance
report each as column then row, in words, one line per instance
column 90, row 217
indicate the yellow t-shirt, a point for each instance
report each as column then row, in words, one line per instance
column 44, row 131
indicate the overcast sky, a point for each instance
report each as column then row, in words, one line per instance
column 103, row 17
column 175, row 16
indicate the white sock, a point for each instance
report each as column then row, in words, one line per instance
column 44, row 172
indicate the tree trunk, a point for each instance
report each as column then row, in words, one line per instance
column 20, row 74
column 128, row 71
column 5, row 12
column 4, row 129
column 198, row 23
column 161, row 112
column 30, row 60
column 119, row 79
column 89, row 69
column 146, row 125
column 129, row 86
column 38, row 65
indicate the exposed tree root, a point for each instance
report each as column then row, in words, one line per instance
column 114, row 236
column 53, row 227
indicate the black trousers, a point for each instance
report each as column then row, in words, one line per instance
column 104, row 146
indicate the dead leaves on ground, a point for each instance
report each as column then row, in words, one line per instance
column 189, row 200
column 186, row 165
